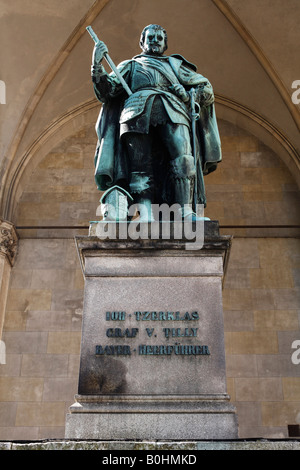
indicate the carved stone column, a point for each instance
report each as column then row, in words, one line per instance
column 8, row 250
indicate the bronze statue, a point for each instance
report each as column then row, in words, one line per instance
column 157, row 130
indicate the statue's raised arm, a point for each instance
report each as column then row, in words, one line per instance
column 100, row 51
column 150, row 143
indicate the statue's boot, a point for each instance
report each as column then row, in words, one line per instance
column 183, row 176
column 141, row 187
column 145, row 210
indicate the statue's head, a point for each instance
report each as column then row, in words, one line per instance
column 154, row 40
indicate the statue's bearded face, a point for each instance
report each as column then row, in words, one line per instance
column 154, row 42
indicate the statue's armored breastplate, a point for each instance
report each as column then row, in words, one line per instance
column 151, row 73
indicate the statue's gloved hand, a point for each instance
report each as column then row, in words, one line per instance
column 205, row 94
column 98, row 53
column 180, row 91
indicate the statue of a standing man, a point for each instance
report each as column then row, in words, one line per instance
column 145, row 139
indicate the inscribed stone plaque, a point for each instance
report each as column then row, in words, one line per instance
column 153, row 325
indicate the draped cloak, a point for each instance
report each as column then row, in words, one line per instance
column 111, row 162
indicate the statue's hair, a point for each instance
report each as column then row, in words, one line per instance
column 155, row 27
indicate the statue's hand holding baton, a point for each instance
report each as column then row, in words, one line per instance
column 101, row 51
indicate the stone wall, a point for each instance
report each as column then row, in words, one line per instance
column 253, row 196
column 261, row 313
column 42, row 337
column 62, row 191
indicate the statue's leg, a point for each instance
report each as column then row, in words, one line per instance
column 182, row 169
column 141, row 184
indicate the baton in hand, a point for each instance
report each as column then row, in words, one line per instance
column 109, row 61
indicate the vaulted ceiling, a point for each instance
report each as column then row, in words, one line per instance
column 248, row 49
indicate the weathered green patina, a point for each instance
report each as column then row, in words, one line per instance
column 150, row 141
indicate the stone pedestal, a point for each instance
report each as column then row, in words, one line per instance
column 152, row 353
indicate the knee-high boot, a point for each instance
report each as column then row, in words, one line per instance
column 141, row 187
column 183, row 178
